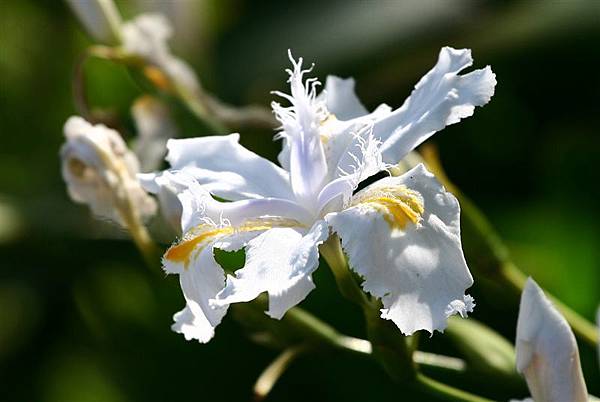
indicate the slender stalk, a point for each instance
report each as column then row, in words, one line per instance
column 300, row 326
column 331, row 250
column 442, row 362
column 196, row 103
column 131, row 217
column 269, row 377
column 446, row 392
column 329, row 335
column 111, row 13
column 389, row 347
column 321, row 331
column 78, row 87
column 492, row 255
column 142, row 239
column 128, row 211
column 217, row 115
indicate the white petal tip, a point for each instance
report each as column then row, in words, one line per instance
column 191, row 327
column 462, row 307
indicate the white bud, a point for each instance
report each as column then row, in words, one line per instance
column 547, row 353
column 101, row 171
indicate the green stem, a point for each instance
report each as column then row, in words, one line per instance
column 306, row 332
column 309, row 324
column 331, row 250
column 218, row 116
column 143, row 241
column 318, row 329
column 129, row 211
column 389, row 346
column 446, row 392
column 439, row 362
column 491, row 256
column 300, row 326
column 197, row 104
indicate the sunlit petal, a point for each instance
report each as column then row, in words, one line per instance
column 403, row 237
column 363, row 161
column 340, row 98
column 227, row 169
column 279, row 262
column 200, row 282
column 442, row 97
column 300, row 124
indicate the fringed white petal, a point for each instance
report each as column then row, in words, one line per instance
column 345, row 140
column 359, row 163
column 200, row 282
column 300, row 129
column 279, row 262
column 442, row 97
column 418, row 270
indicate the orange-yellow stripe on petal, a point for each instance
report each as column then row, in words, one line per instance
column 197, row 238
column 398, row 205
column 181, row 252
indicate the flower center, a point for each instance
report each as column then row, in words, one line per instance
column 398, row 205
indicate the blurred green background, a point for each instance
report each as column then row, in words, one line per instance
column 82, row 319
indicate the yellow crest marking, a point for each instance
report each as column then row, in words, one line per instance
column 198, row 237
column 398, row 205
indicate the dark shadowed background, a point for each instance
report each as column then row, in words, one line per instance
column 82, row 319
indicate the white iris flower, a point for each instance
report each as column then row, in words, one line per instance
column 401, row 234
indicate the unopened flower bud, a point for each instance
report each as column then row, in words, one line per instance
column 547, row 353
column 100, row 171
